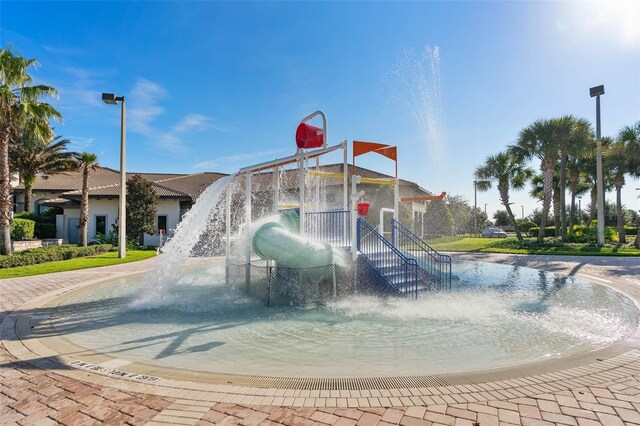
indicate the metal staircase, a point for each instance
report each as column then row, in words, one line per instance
column 395, row 272
column 435, row 268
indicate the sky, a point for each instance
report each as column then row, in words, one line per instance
column 216, row 86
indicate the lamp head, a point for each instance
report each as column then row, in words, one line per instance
column 596, row 91
column 109, row 98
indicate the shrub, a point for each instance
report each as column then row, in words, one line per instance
column 549, row 231
column 45, row 230
column 22, row 229
column 50, row 254
column 631, row 230
column 582, row 234
column 526, row 226
column 27, row 215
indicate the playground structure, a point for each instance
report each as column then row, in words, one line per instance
column 301, row 253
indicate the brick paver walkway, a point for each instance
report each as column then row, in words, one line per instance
column 30, row 396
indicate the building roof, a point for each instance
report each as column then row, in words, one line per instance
column 105, row 182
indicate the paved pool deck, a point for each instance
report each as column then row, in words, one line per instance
column 45, row 383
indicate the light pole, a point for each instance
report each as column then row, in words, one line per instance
column 522, row 207
column 596, row 92
column 111, row 99
column 485, row 209
column 579, row 209
column 475, row 207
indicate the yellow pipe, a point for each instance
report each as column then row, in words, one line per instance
column 335, row 175
column 378, row 181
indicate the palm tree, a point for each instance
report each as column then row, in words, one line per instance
column 572, row 135
column 20, row 110
column 507, row 172
column 539, row 140
column 31, row 157
column 577, row 163
column 630, row 135
column 86, row 162
column 616, row 163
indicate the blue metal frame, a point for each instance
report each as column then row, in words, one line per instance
column 399, row 271
column 437, row 267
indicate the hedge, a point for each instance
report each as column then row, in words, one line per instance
column 22, row 229
column 51, row 254
column 45, row 230
column 580, row 234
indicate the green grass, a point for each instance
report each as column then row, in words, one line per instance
column 105, row 259
column 528, row 246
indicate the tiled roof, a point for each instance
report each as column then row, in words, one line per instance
column 105, row 182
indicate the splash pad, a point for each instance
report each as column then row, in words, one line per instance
column 301, row 290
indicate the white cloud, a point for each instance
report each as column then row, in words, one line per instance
column 145, row 108
column 63, row 50
column 237, row 158
column 79, row 143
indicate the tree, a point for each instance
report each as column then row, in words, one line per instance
column 142, row 202
column 571, row 135
column 31, row 157
column 630, row 135
column 508, row 172
column 86, row 162
column 539, row 140
column 21, row 110
column 438, row 220
column 502, row 218
column 616, row 163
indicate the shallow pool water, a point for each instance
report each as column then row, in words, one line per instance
column 496, row 316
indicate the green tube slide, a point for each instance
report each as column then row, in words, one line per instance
column 273, row 241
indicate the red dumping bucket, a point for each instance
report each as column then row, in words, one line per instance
column 307, row 136
column 363, row 209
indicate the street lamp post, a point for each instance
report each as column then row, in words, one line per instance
column 522, row 207
column 596, row 92
column 111, row 99
column 475, row 207
column 580, row 210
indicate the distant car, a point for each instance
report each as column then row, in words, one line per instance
column 494, row 233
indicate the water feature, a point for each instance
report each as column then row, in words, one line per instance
column 201, row 314
column 498, row 316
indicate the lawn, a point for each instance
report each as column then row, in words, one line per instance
column 105, row 259
column 528, row 246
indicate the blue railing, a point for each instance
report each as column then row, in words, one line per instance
column 333, row 227
column 436, row 267
column 399, row 271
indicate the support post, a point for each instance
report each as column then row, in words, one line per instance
column 227, row 248
column 396, row 207
column 354, row 217
column 247, row 211
column 301, row 184
column 276, row 186
column 317, row 185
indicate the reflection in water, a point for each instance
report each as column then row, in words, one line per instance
column 497, row 316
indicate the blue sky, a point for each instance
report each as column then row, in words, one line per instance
column 215, row 86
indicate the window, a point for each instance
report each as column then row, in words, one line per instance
column 101, row 225
column 162, row 223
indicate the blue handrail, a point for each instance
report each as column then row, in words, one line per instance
column 436, row 265
column 399, row 271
